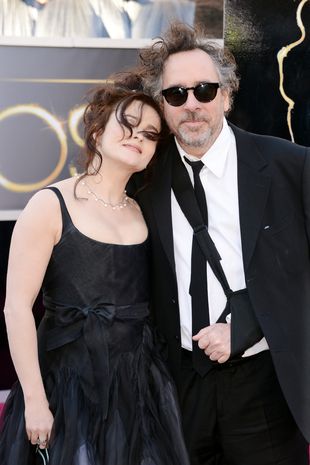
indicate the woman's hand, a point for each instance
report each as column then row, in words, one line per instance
column 39, row 422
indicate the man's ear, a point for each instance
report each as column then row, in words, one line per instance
column 226, row 100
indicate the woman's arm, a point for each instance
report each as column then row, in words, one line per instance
column 35, row 234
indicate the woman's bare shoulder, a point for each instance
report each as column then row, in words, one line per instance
column 42, row 211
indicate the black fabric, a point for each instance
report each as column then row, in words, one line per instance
column 240, row 415
column 108, row 388
column 198, row 188
column 185, row 195
column 245, row 330
column 274, row 214
column 198, row 284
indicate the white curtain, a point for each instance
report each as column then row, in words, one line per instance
column 66, row 18
column 114, row 17
column 15, row 18
column 150, row 18
column 117, row 19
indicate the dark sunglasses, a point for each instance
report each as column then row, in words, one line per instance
column 204, row 92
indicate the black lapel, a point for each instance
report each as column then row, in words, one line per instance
column 253, row 187
column 161, row 199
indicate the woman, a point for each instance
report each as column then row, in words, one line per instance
column 98, row 393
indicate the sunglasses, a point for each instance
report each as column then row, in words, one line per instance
column 203, row 92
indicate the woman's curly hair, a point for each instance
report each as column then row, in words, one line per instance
column 119, row 91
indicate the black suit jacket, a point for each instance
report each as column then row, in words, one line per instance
column 274, row 206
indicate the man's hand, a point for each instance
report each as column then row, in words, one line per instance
column 214, row 340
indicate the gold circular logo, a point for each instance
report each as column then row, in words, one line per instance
column 55, row 126
column 75, row 117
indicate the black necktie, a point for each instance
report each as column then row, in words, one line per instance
column 198, row 285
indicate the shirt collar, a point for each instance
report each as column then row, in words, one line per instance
column 215, row 158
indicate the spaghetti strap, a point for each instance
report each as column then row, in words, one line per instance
column 66, row 218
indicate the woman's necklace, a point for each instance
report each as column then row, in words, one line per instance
column 115, row 206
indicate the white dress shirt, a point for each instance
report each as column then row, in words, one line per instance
column 219, row 179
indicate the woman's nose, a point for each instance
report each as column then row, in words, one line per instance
column 137, row 135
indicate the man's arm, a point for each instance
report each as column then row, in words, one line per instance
column 306, row 192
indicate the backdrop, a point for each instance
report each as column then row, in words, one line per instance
column 42, row 93
column 271, row 43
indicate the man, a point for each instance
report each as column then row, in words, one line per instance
column 251, row 407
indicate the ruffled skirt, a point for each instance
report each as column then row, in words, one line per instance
column 130, row 418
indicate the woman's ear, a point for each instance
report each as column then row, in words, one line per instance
column 96, row 137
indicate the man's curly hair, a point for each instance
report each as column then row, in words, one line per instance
column 181, row 38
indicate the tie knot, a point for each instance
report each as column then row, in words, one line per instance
column 196, row 165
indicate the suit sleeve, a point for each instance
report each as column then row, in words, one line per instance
column 306, row 192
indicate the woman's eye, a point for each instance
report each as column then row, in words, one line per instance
column 150, row 135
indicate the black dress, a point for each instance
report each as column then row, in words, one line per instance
column 112, row 398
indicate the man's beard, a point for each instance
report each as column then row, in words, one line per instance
column 195, row 137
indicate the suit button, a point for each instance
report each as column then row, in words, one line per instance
column 177, row 338
column 173, row 300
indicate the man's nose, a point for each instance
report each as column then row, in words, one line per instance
column 191, row 103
